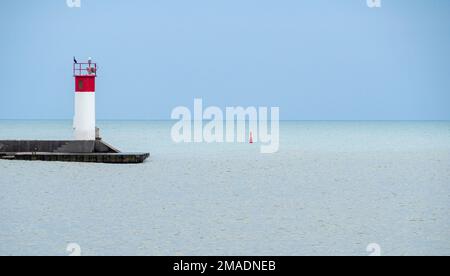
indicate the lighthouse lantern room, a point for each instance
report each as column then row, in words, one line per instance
column 84, row 120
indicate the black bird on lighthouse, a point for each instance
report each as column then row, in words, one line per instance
column 75, row 60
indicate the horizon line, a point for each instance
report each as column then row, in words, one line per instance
column 285, row 120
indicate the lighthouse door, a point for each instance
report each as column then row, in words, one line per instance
column 80, row 85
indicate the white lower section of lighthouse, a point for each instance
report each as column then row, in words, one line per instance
column 84, row 120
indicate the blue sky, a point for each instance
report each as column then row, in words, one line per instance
column 315, row 59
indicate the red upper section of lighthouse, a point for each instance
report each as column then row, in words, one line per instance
column 85, row 74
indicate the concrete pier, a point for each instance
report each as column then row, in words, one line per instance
column 67, row 151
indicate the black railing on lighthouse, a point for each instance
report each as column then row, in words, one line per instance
column 85, row 69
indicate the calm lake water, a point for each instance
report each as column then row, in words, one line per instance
column 332, row 189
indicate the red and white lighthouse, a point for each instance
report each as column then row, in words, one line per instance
column 84, row 120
